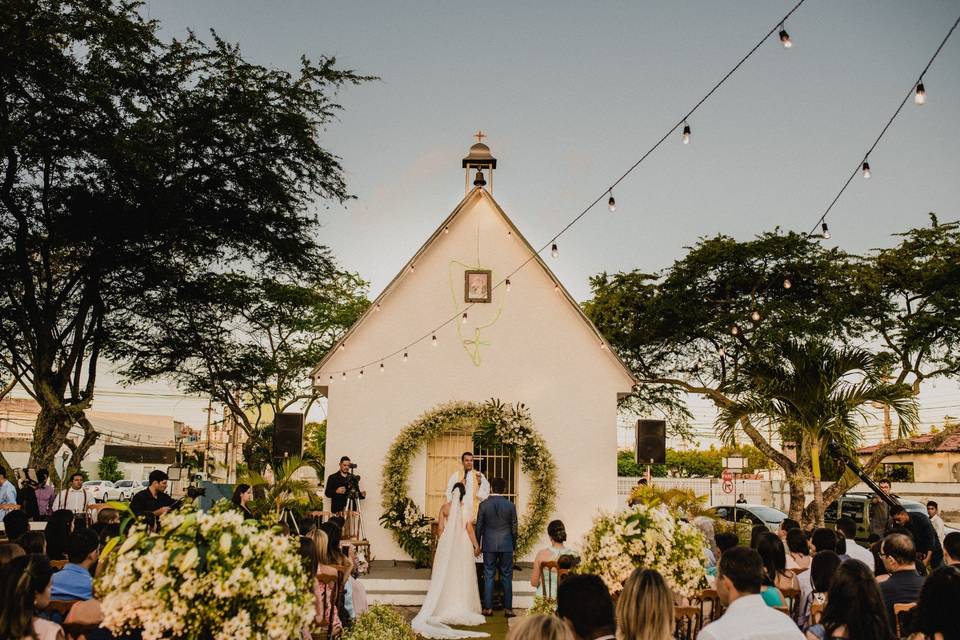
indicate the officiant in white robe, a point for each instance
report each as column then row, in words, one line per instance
column 478, row 490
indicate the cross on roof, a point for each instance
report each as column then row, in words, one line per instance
column 479, row 135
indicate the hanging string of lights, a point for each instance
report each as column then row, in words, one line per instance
column 919, row 94
column 779, row 27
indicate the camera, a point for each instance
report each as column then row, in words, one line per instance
column 353, row 486
column 353, row 465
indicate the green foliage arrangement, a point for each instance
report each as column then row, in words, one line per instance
column 109, row 469
column 380, row 622
column 494, row 422
column 543, row 606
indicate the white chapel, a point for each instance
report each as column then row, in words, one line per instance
column 461, row 323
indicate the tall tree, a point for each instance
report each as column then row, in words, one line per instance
column 817, row 394
column 129, row 163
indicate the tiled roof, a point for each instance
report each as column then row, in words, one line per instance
column 950, row 444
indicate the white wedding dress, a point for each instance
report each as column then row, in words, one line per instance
column 453, row 597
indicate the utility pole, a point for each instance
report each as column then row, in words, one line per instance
column 206, row 454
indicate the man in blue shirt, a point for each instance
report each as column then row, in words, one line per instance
column 8, row 495
column 74, row 581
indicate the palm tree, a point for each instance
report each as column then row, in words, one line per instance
column 284, row 493
column 818, row 393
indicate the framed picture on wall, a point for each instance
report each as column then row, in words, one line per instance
column 477, row 285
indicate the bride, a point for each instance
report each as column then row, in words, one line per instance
column 453, row 597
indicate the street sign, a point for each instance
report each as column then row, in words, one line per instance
column 727, row 476
column 727, row 486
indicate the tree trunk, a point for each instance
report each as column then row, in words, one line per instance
column 79, row 451
column 49, row 434
column 817, row 487
column 798, row 498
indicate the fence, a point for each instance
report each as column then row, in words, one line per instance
column 754, row 491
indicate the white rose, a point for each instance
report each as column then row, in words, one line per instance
column 226, row 541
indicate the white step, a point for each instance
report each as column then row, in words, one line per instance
column 411, row 592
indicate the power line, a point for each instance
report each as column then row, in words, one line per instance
column 608, row 191
column 915, row 89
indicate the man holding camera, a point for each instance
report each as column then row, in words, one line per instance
column 339, row 485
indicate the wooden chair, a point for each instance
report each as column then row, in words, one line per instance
column 333, row 585
column 901, row 610
column 711, row 597
column 792, row 597
column 548, row 585
column 687, row 622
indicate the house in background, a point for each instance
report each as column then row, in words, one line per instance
column 941, row 464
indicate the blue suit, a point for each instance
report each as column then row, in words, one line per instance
column 497, row 532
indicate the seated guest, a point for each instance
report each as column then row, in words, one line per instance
column 354, row 593
column 584, row 603
column 24, row 591
column 739, row 578
column 108, row 515
column 242, row 496
column 9, row 551
column 74, row 581
column 900, row 559
column 822, row 569
column 547, row 582
column 645, row 607
column 798, row 549
column 152, row 502
column 848, row 529
column 706, row 527
column 725, row 541
column 45, row 494
column 57, row 532
column 16, row 524
column 33, row 542
column 951, row 549
column 774, row 556
column 854, row 607
column 786, row 525
column 325, row 607
column 755, row 534
column 935, row 617
column 822, row 539
column 540, row 627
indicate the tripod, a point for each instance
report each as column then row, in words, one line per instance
column 353, row 509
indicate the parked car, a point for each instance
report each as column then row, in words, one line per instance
column 102, row 490
column 857, row 506
column 129, row 487
column 752, row 514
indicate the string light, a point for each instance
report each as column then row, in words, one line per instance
column 446, row 230
column 343, row 345
column 344, row 375
column 381, row 368
column 786, row 283
column 755, row 316
column 556, row 287
column 686, row 133
column 554, row 251
column 920, row 97
column 507, row 284
column 735, row 330
column 377, row 308
column 612, row 203
column 360, row 375
column 412, row 268
column 866, row 170
column 433, row 340
column 405, row 356
column 825, row 230
column 331, row 378
column 603, row 347
column 785, row 37
column 463, row 318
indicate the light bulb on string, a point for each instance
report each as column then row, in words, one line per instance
column 463, row 318
column 785, row 38
column 344, row 375
column 331, row 378
column 787, row 283
column 381, row 368
column 866, row 170
column 755, row 316
column 920, row 97
column 603, row 347
column 507, row 284
column 612, row 203
column 405, row 356
column 556, row 288
column 433, row 340
column 825, row 230
column 412, row 268
column 735, row 330
column 343, row 345
column 686, row 133
column 360, row 375
column 446, row 230
column 377, row 307
column 555, row 251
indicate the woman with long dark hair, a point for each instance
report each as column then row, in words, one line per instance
column 242, row 495
column 58, row 531
column 822, row 569
column 25, row 584
column 935, row 617
column 854, row 608
column 774, row 557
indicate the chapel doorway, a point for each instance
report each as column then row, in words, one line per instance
column 443, row 459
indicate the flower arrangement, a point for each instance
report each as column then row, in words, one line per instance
column 646, row 537
column 206, row 576
column 543, row 606
column 495, row 423
column 380, row 622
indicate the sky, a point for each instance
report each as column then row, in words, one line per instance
column 571, row 94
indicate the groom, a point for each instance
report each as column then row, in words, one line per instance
column 497, row 532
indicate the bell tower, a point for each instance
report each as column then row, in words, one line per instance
column 479, row 158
